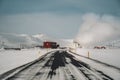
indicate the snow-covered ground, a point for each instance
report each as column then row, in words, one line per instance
column 10, row 59
column 108, row 70
column 109, row 56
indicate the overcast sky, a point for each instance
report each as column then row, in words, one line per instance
column 57, row 18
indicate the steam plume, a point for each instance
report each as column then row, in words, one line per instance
column 96, row 28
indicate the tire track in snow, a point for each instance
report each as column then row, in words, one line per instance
column 58, row 65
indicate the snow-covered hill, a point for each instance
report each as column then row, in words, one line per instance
column 17, row 40
column 24, row 40
column 109, row 44
column 113, row 44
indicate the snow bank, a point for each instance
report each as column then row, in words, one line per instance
column 112, row 72
column 10, row 59
column 109, row 56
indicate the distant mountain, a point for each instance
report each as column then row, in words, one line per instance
column 17, row 40
column 111, row 44
column 24, row 40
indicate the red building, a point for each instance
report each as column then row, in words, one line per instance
column 48, row 44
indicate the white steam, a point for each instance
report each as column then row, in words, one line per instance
column 96, row 28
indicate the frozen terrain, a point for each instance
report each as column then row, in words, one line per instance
column 10, row 59
column 56, row 65
column 62, row 65
column 102, row 67
column 109, row 56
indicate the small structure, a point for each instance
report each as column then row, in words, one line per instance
column 99, row 47
column 12, row 48
column 39, row 46
column 49, row 44
column 96, row 47
column 103, row 47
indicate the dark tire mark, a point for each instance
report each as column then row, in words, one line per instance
column 58, row 60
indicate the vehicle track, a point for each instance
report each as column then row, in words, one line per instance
column 57, row 65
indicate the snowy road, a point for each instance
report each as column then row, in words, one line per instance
column 56, row 65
